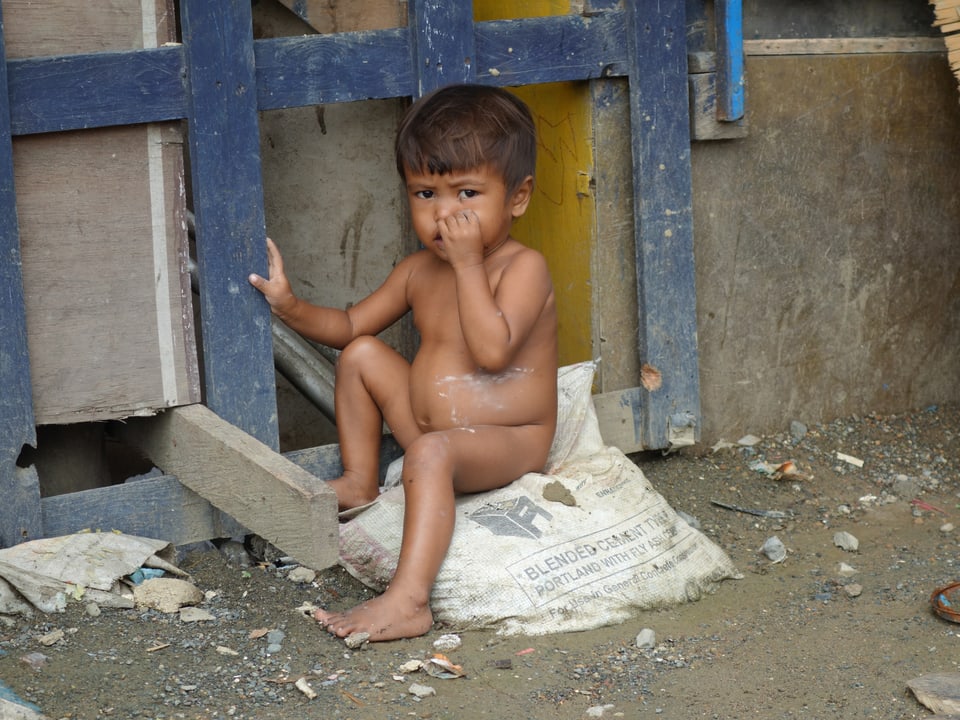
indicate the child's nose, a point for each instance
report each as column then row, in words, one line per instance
column 446, row 208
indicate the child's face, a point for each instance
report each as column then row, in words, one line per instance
column 479, row 193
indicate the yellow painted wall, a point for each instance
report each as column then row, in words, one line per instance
column 560, row 220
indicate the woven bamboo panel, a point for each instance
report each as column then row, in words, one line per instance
column 947, row 18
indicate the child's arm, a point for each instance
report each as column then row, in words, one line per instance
column 327, row 325
column 495, row 326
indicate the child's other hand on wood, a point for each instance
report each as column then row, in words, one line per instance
column 276, row 289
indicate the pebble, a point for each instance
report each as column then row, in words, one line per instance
column 853, row 590
column 846, row 541
column 357, row 639
column 92, row 609
column 946, row 528
column 598, row 710
column 446, row 643
column 646, row 639
column 774, row 549
column 302, row 574
column 421, row 691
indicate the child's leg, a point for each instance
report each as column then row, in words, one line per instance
column 372, row 385
column 471, row 459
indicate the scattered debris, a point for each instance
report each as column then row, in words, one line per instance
column 421, row 691
column 302, row 574
column 303, row 686
column 36, row 660
column 774, row 549
column 51, row 638
column 775, row 514
column 646, row 639
column 853, row 590
column 167, row 595
column 920, row 504
column 440, row 666
column 855, row 461
column 940, row 692
column 556, row 491
column 946, row 602
column 446, row 643
column 599, row 710
column 195, row 614
column 845, row 541
column 356, row 640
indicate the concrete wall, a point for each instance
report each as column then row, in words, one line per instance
column 828, row 261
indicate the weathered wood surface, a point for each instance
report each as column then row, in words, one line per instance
column 663, row 216
column 228, row 208
column 102, row 236
column 104, row 258
column 20, row 511
column 238, row 474
column 330, row 16
column 157, row 507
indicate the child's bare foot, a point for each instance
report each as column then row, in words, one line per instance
column 383, row 618
column 353, row 492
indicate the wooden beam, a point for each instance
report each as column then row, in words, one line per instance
column 663, row 215
column 20, row 512
column 240, row 475
column 843, row 46
column 229, row 217
column 155, row 507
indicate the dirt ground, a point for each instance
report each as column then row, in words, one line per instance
column 827, row 633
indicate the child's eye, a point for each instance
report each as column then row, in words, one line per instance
column 466, row 193
column 424, row 194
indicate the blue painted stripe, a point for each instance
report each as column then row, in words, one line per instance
column 730, row 67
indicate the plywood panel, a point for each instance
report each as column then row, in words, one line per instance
column 103, row 236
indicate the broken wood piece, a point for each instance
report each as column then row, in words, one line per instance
column 938, row 691
column 261, row 489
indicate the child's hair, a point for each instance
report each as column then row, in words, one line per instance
column 464, row 127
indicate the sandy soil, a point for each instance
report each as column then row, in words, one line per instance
column 828, row 633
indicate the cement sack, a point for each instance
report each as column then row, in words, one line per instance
column 586, row 544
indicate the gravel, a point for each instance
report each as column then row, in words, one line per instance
column 822, row 632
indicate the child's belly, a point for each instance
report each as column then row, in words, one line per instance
column 443, row 397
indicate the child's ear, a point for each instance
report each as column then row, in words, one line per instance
column 521, row 197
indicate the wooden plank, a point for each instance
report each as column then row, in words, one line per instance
column 551, row 49
column 104, row 263
column 20, row 517
column 87, row 91
column 443, row 46
column 230, row 229
column 330, row 16
column 261, row 489
column 704, row 124
column 324, row 461
column 663, row 215
column 842, row 46
column 156, row 507
column 319, row 69
column 101, row 220
column 55, row 27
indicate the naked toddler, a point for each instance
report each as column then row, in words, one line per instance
column 477, row 407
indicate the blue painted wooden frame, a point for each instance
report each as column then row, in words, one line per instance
column 21, row 492
column 220, row 78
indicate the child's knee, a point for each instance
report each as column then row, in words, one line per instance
column 358, row 352
column 430, row 452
